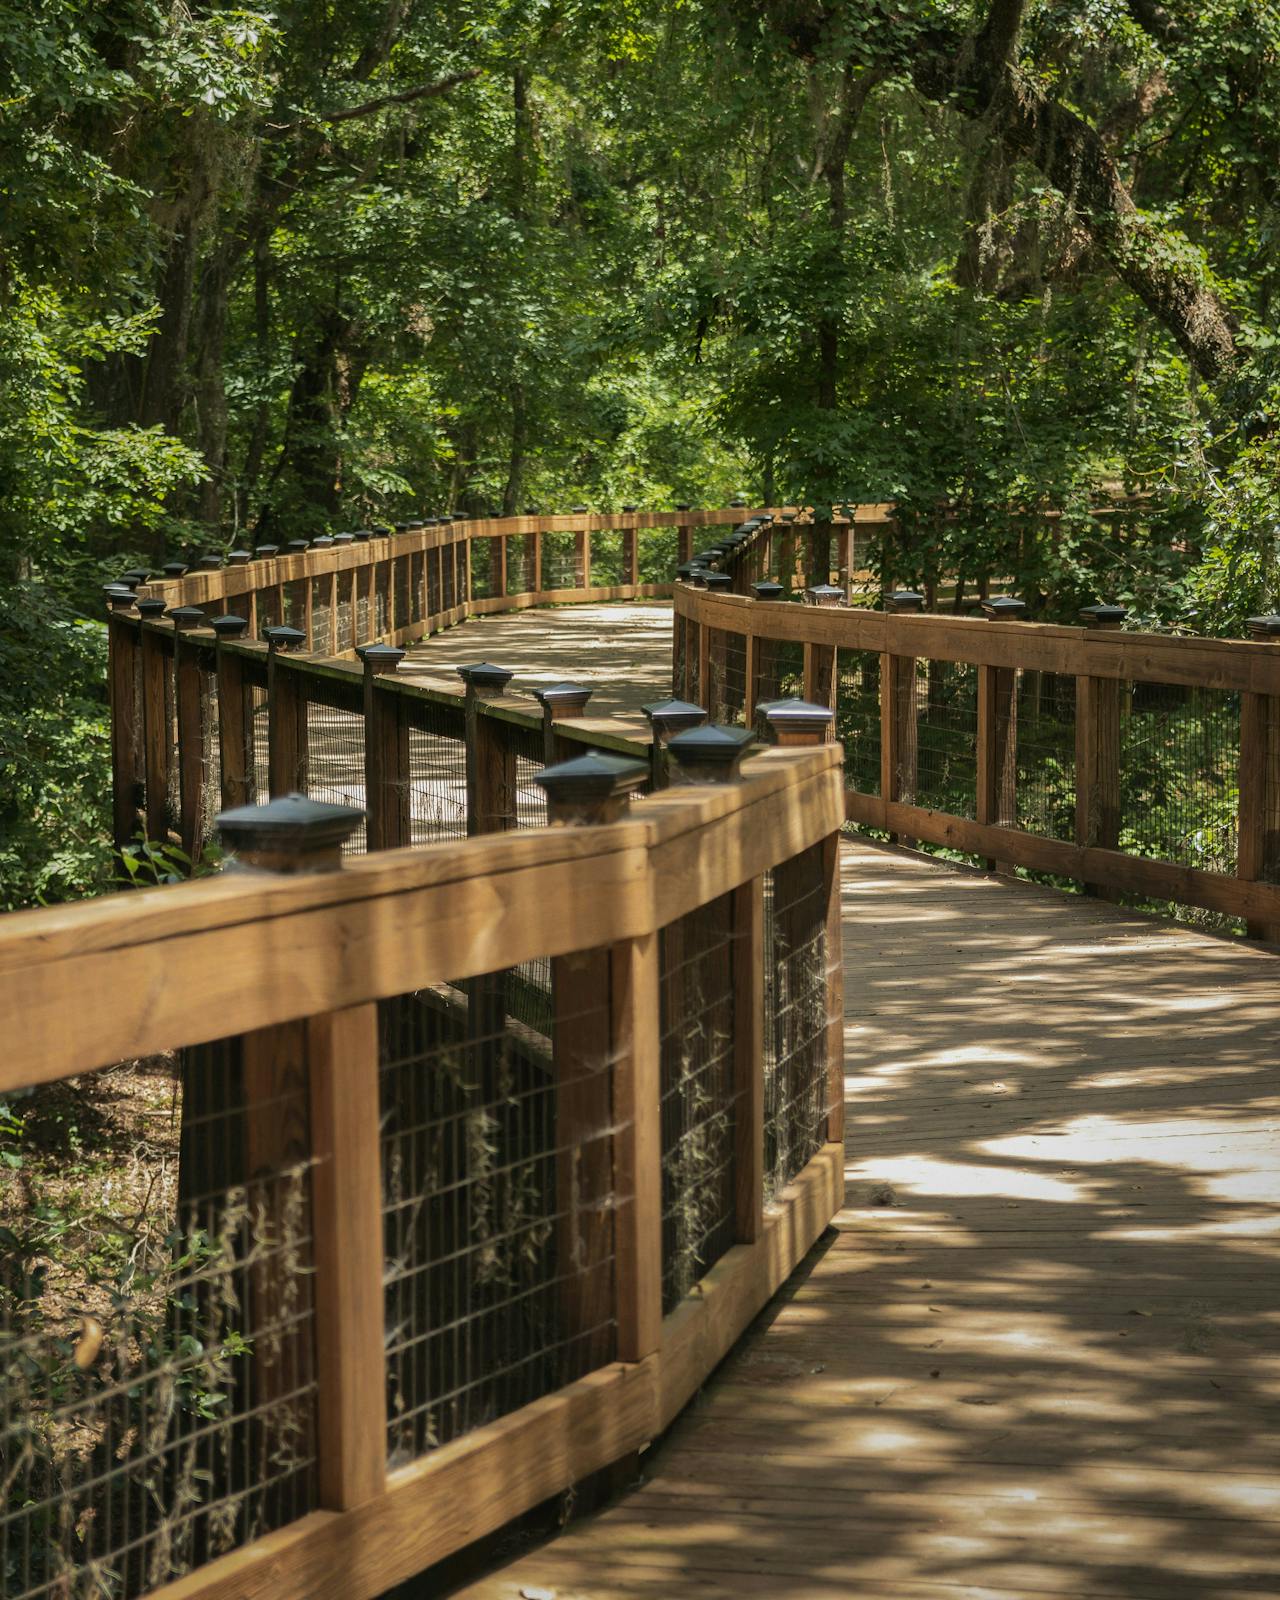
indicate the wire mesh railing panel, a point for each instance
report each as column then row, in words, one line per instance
column 947, row 737
column 400, row 573
column 520, row 564
column 1179, row 774
column 462, row 563
column 448, row 579
column 260, row 735
column 698, row 1111
column 211, row 763
column 381, row 598
column 484, row 564
column 1045, row 742
column 335, row 763
column 796, row 1084
column 157, row 1398
column 497, row 1138
column 858, row 717
column 268, row 608
column 730, row 663
column 417, row 585
column 295, row 603
column 346, row 636
column 531, row 801
column 321, row 614
column 560, row 568
column 433, row 583
column 656, row 557
column 437, row 777
column 607, row 564
column 363, row 606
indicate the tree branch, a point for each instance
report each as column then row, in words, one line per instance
column 424, row 91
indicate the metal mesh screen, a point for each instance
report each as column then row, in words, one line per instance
column 268, row 608
column 497, row 1185
column 381, row 598
column 295, row 603
column 858, row 717
column 484, row 564
column 321, row 613
column 1179, row 774
column 433, row 583
column 335, row 762
column 947, row 737
column 1045, row 796
column 729, row 694
column 363, row 581
column 346, row 637
column 560, row 561
column 698, row 1099
column 607, row 569
column 448, row 577
column 437, row 774
column 400, row 572
column 656, row 557
column 520, row 564
column 157, row 1407
column 531, row 802
column 796, row 1082
column 417, row 585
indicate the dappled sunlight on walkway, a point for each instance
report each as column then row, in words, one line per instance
column 1038, row 1355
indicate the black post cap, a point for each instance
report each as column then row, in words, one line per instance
column 380, row 657
column 1004, row 608
column 324, row 542
column 591, row 788
column 290, row 834
column 798, row 721
column 174, row 569
column 767, row 589
column 239, row 558
column 212, row 561
column 361, row 534
column 152, row 608
column 739, row 501
column 904, row 600
column 264, row 552
column 579, row 511
column 684, row 505
column 718, row 580
column 344, row 538
column 134, row 576
column 698, row 576
column 282, row 637
column 707, row 556
column 824, row 594
column 1107, row 616
column 119, row 596
column 484, row 677
column 186, row 617
column 298, row 545
column 686, row 570
column 1264, row 627
column 230, row 626
column 712, row 754
column 667, row 717
column 631, row 508
column 563, row 699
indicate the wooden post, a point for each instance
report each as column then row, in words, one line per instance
column 387, row 793
column 638, row 1147
column 1098, row 716
column 835, row 988
column 820, row 673
column 235, row 716
column 346, row 1199
column 157, row 669
column 124, row 666
column 286, row 718
column 491, row 761
column 748, row 1060
column 192, row 700
column 498, row 565
column 537, row 562
column 997, row 775
column 1258, row 853
column 559, row 703
column 311, row 1094
column 582, row 560
column 898, row 744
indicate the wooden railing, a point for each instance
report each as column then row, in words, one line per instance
column 490, row 1150
column 1133, row 763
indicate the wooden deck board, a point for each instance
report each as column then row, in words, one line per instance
column 1051, row 1365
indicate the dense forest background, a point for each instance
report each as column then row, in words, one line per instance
column 269, row 272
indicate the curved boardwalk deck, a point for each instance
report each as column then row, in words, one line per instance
column 1037, row 1355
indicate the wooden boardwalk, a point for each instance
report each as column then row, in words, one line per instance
column 1038, row 1354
